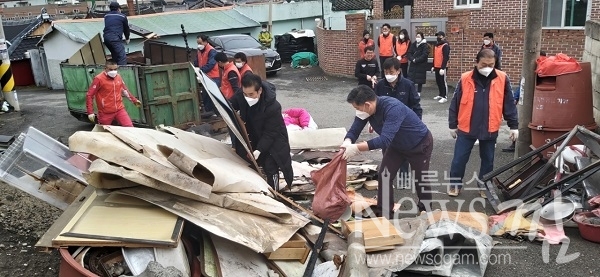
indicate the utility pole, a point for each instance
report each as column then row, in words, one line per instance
column 532, row 45
column 270, row 16
column 6, row 77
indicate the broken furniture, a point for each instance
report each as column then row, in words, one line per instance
column 532, row 176
column 379, row 233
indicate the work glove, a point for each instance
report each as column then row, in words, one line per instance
column 256, row 153
column 127, row 41
column 399, row 58
column 432, row 69
column 442, row 72
column 369, row 78
column 351, row 151
column 138, row 104
column 92, row 118
column 454, row 133
column 514, row 134
column 346, row 143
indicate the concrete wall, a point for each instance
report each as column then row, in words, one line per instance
column 592, row 54
column 58, row 48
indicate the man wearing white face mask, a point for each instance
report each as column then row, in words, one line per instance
column 482, row 98
column 403, row 136
column 261, row 113
column 108, row 90
column 241, row 62
column 205, row 60
column 489, row 43
column 395, row 85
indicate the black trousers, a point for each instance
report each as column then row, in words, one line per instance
column 271, row 169
column 392, row 161
column 441, row 82
column 404, row 67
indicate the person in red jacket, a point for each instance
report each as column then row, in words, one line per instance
column 365, row 42
column 108, row 90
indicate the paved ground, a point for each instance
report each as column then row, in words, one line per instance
column 23, row 218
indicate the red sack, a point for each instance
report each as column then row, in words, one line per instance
column 330, row 199
column 560, row 64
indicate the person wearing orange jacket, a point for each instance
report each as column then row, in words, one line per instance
column 441, row 55
column 386, row 43
column 205, row 60
column 364, row 43
column 241, row 62
column 108, row 90
column 402, row 46
column 230, row 83
column 483, row 96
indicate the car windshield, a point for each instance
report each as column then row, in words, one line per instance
column 240, row 42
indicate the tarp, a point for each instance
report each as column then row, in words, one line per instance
column 304, row 59
column 560, row 64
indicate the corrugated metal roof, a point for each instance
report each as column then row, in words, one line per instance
column 163, row 24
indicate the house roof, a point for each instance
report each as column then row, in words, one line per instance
column 162, row 24
column 349, row 5
column 25, row 45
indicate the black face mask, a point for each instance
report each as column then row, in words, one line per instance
column 366, row 40
column 439, row 40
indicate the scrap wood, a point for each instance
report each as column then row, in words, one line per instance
column 476, row 220
column 237, row 260
column 359, row 202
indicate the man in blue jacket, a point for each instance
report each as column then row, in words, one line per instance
column 403, row 136
column 395, row 85
column 483, row 97
column 115, row 26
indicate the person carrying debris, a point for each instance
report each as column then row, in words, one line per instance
column 205, row 60
column 108, row 90
column 482, row 97
column 261, row 112
column 265, row 37
column 241, row 62
column 298, row 119
column 115, row 26
column 230, row 83
column 402, row 137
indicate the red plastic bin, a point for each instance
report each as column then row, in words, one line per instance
column 70, row 268
column 587, row 231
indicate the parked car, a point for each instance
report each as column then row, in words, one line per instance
column 231, row 44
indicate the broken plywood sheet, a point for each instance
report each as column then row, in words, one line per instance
column 107, row 147
column 476, row 220
column 259, row 233
column 237, row 260
column 204, row 166
column 329, row 138
column 101, row 223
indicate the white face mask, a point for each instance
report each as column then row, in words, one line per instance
column 362, row 115
column 251, row 101
column 264, row 30
column 200, row 47
column 112, row 73
column 418, row 40
column 385, row 33
column 485, row 71
column 239, row 65
column 487, row 41
column 391, row 78
column 401, row 36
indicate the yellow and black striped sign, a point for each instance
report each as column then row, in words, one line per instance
column 6, row 77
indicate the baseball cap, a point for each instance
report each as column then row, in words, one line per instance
column 440, row 33
column 114, row 5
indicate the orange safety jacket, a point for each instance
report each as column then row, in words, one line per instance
column 402, row 49
column 108, row 93
column 362, row 45
column 203, row 59
column 496, row 101
column 438, row 55
column 226, row 87
column 244, row 69
column 386, row 45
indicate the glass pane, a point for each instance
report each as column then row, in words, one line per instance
column 475, row 1
column 576, row 12
column 552, row 13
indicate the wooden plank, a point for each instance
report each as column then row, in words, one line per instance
column 257, row 63
column 296, row 241
column 288, row 254
column 371, row 185
column 377, row 231
column 139, row 30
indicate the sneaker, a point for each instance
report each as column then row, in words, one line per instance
column 482, row 194
column 437, row 98
column 454, row 191
column 443, row 100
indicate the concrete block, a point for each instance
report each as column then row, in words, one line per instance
column 588, row 43
column 592, row 29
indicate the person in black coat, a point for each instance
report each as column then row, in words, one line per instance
column 268, row 136
column 417, row 56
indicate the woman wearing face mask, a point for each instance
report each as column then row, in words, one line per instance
column 417, row 56
column 266, row 129
column 482, row 98
column 402, row 46
column 365, row 42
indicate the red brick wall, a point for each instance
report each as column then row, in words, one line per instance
column 338, row 50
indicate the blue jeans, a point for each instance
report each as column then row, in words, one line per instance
column 462, row 151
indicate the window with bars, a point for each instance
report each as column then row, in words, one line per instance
column 467, row 4
column 565, row 13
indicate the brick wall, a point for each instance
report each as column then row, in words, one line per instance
column 337, row 49
column 592, row 55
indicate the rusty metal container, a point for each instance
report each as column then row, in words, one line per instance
column 541, row 136
column 561, row 102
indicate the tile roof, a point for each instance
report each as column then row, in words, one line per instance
column 25, row 45
column 349, row 5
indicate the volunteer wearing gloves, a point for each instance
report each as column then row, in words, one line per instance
column 268, row 136
column 482, row 98
column 108, row 90
column 402, row 137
